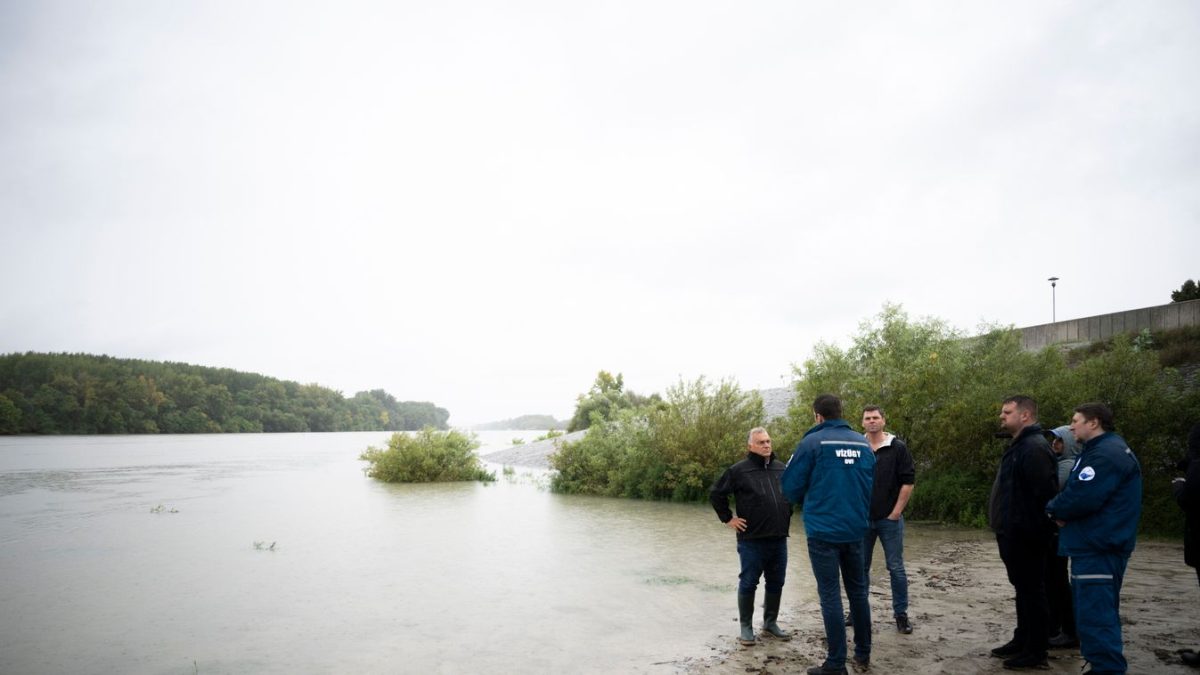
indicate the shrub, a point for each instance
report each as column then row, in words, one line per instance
column 951, row 497
column 428, row 456
column 673, row 449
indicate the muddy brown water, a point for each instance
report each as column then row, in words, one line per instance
column 273, row 553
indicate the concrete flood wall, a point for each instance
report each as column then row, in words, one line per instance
column 1097, row 328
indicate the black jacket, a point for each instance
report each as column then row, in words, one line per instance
column 1187, row 495
column 893, row 467
column 754, row 484
column 1026, row 480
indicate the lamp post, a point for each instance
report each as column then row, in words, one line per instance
column 1053, row 299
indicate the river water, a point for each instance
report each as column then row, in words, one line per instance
column 274, row 553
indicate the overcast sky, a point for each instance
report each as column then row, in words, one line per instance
column 482, row 204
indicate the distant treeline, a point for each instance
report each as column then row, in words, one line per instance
column 88, row 394
column 525, row 423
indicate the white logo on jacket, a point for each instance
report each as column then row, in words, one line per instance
column 1087, row 473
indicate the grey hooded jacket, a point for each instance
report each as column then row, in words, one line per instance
column 1066, row 461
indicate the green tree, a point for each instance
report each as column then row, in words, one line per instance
column 941, row 391
column 10, row 416
column 672, row 448
column 1188, row 291
column 601, row 402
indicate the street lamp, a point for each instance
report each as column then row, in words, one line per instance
column 1053, row 300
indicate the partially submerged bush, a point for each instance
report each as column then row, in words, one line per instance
column 672, row 449
column 427, row 456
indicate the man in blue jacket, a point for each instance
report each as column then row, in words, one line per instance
column 831, row 474
column 1098, row 512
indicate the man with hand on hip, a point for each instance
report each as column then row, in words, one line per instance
column 762, row 522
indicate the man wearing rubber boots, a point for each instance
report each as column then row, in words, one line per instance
column 762, row 521
column 831, row 475
column 1098, row 513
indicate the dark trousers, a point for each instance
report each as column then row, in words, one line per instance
column 1058, row 593
column 765, row 557
column 1025, row 561
column 829, row 560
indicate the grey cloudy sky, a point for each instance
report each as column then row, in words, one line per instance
column 483, row 204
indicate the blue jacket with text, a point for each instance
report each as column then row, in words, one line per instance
column 1102, row 500
column 830, row 475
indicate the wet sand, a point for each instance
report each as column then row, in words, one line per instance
column 961, row 605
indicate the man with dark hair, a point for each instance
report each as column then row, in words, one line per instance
column 762, row 522
column 830, row 474
column 1026, row 479
column 895, row 475
column 1098, row 512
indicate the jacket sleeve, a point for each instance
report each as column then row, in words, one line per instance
column 796, row 475
column 1081, row 498
column 1187, row 493
column 718, row 496
column 1040, row 473
column 906, row 470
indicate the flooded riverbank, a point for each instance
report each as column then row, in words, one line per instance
column 275, row 554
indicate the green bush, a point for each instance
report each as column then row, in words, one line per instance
column 951, row 497
column 672, row 449
column 428, row 456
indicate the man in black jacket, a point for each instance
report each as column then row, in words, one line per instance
column 1026, row 480
column 895, row 475
column 1187, row 495
column 761, row 523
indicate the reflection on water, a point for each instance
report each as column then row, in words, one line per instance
column 365, row 577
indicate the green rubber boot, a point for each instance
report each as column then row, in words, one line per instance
column 746, row 617
column 770, row 613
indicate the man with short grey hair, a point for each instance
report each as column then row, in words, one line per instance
column 762, row 521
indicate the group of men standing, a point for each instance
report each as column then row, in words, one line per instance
column 853, row 489
column 1089, row 514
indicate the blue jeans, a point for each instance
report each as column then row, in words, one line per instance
column 1096, row 584
column 828, row 559
column 891, row 534
column 762, row 557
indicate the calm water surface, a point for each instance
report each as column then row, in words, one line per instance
column 137, row 554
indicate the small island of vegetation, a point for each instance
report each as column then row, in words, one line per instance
column 428, row 456
column 524, row 423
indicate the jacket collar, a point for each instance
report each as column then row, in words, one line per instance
column 828, row 424
column 888, row 437
column 1034, row 428
column 1088, row 445
column 758, row 459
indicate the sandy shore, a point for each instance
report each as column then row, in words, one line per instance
column 961, row 605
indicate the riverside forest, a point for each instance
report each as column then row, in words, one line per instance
column 88, row 394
